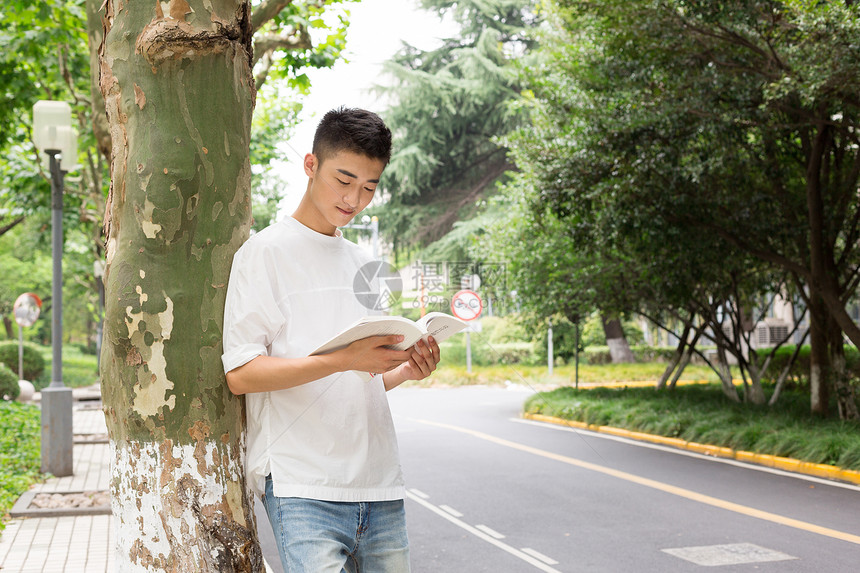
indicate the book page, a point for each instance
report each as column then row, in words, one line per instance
column 440, row 325
column 374, row 326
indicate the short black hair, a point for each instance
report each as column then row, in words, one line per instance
column 352, row 129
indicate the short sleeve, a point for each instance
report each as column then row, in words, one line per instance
column 252, row 316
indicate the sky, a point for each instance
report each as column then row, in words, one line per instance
column 377, row 30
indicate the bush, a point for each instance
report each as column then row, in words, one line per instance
column 597, row 355
column 20, row 456
column 799, row 373
column 34, row 362
column 9, row 388
column 642, row 353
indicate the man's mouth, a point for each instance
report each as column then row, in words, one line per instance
column 345, row 211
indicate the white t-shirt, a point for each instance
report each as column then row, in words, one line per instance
column 291, row 289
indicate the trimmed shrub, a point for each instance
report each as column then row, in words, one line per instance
column 799, row 373
column 597, row 355
column 9, row 388
column 34, row 362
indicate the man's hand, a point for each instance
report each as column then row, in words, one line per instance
column 423, row 359
column 374, row 354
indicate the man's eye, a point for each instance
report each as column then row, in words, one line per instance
column 341, row 182
column 371, row 189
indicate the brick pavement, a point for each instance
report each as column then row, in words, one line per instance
column 71, row 544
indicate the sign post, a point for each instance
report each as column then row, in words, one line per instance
column 467, row 305
column 26, row 310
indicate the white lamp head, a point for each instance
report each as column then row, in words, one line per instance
column 52, row 130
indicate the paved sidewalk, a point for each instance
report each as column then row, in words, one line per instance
column 83, row 543
column 76, row 543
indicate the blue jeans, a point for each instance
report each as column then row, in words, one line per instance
column 332, row 537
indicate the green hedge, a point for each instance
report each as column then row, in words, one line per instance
column 9, row 388
column 600, row 354
column 486, row 353
column 20, row 457
column 799, row 373
column 34, row 362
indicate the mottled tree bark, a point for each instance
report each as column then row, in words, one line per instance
column 178, row 90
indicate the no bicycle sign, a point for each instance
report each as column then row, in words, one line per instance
column 467, row 305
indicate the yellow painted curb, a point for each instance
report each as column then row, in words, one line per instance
column 776, row 462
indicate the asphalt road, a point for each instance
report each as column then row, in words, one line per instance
column 489, row 492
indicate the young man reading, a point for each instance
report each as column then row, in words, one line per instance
column 321, row 443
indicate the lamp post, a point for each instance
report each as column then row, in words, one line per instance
column 371, row 224
column 54, row 136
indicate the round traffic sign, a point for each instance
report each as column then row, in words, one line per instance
column 26, row 309
column 467, row 305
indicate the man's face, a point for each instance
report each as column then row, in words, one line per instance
column 340, row 188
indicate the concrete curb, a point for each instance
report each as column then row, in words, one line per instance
column 776, row 462
column 22, row 507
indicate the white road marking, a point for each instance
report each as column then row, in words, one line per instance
column 419, row 493
column 451, row 510
column 730, row 554
column 481, row 535
column 680, row 452
column 541, row 556
column 490, row 532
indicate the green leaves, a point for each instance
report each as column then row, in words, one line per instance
column 452, row 104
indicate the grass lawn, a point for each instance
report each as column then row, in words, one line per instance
column 701, row 413
column 79, row 369
column 20, row 458
column 536, row 376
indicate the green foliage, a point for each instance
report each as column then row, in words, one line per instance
column 642, row 353
column 450, row 105
column 799, row 373
column 501, row 341
column 34, row 362
column 9, row 388
column 20, row 456
column 44, row 56
column 275, row 116
column 701, row 413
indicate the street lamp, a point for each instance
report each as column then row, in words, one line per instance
column 54, row 136
column 371, row 224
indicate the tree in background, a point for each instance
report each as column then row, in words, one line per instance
column 732, row 120
column 450, row 104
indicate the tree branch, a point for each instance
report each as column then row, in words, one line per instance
column 266, row 11
column 11, row 225
column 294, row 40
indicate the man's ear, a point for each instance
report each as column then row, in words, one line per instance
column 310, row 164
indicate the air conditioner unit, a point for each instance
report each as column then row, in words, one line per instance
column 770, row 334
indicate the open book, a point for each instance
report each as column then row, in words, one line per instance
column 436, row 324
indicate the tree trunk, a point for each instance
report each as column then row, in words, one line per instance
column 676, row 358
column 724, row 371
column 819, row 359
column 7, row 324
column 846, row 402
column 686, row 357
column 619, row 349
column 178, row 90
column 755, row 393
